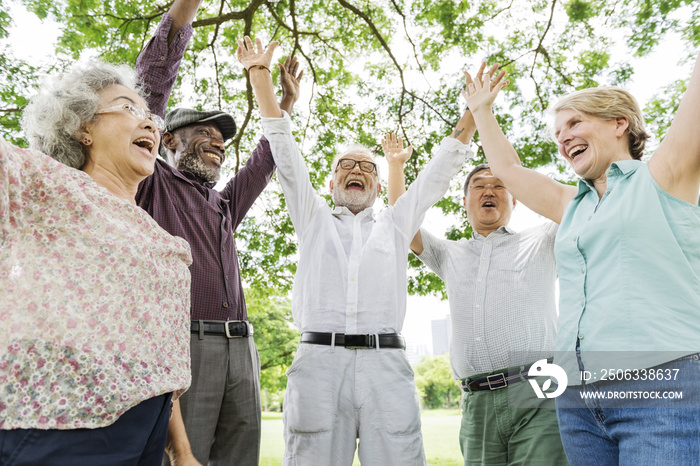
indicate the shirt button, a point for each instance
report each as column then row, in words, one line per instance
column 483, row 258
column 575, row 238
column 478, row 338
column 583, row 269
column 225, row 304
column 352, row 279
column 352, row 308
column 590, row 217
column 226, row 277
column 162, row 57
column 480, row 280
column 607, row 192
column 478, row 306
column 182, row 35
column 223, row 248
column 580, row 336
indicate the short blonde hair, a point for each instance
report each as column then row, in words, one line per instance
column 608, row 103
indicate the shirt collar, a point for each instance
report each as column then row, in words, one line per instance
column 340, row 211
column 504, row 230
column 193, row 179
column 621, row 167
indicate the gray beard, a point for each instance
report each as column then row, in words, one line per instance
column 192, row 163
column 355, row 202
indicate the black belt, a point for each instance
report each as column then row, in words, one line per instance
column 385, row 340
column 497, row 380
column 229, row 328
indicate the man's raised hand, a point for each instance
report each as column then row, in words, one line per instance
column 394, row 151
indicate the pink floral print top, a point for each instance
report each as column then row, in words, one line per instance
column 94, row 299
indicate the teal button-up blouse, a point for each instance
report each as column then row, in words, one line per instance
column 629, row 275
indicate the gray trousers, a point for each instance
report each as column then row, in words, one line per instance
column 221, row 410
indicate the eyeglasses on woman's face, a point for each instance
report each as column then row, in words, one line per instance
column 138, row 112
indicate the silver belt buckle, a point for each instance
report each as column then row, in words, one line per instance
column 249, row 327
column 503, row 377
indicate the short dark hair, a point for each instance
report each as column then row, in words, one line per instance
column 477, row 169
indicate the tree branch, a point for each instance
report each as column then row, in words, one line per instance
column 405, row 29
column 224, row 18
column 493, row 16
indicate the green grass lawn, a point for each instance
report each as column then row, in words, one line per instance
column 440, row 438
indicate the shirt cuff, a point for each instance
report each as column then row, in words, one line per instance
column 455, row 145
column 277, row 125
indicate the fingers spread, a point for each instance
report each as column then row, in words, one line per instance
column 493, row 69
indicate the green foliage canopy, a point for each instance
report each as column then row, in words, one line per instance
column 371, row 67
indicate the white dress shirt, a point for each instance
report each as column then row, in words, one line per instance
column 501, row 290
column 351, row 276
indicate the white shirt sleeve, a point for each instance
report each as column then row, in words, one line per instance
column 293, row 175
column 430, row 185
column 433, row 255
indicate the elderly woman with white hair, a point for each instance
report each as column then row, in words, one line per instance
column 628, row 258
column 95, row 295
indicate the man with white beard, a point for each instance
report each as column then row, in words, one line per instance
column 350, row 378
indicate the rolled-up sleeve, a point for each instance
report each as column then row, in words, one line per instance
column 158, row 63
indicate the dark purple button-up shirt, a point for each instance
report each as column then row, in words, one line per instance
column 206, row 218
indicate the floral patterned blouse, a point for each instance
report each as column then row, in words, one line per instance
column 94, row 299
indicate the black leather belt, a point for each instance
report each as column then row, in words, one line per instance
column 229, row 328
column 496, row 380
column 385, row 340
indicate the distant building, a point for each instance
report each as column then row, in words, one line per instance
column 414, row 352
column 442, row 331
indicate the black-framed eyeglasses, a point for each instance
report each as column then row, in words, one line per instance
column 138, row 112
column 349, row 164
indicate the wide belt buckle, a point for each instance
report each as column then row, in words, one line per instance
column 503, row 379
column 227, row 329
column 359, row 341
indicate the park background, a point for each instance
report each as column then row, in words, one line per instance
column 371, row 67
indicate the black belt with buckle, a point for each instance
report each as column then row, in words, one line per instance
column 350, row 341
column 497, row 380
column 229, row 328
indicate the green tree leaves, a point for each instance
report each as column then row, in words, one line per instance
column 271, row 315
column 370, row 67
column 436, row 385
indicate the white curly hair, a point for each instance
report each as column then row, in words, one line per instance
column 54, row 118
